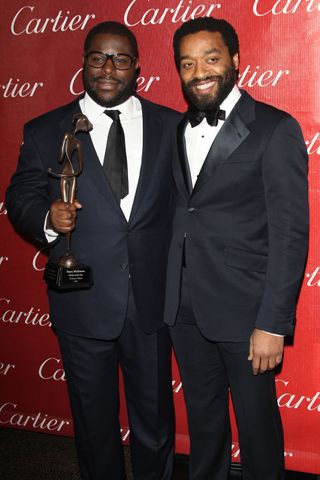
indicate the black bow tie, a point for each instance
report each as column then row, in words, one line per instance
column 212, row 116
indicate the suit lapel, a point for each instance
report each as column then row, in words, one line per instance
column 184, row 181
column 233, row 132
column 69, row 111
column 97, row 174
column 152, row 133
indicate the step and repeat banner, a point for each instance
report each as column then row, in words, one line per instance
column 41, row 62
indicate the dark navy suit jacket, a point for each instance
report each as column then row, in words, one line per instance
column 103, row 238
column 243, row 229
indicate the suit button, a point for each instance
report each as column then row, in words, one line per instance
column 192, row 209
column 124, row 266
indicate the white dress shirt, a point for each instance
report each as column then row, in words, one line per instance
column 200, row 138
column 131, row 121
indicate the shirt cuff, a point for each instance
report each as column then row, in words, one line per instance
column 50, row 234
column 274, row 334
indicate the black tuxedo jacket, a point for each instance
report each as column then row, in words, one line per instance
column 103, row 238
column 243, row 229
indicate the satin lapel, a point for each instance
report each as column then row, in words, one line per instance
column 232, row 134
column 92, row 166
column 182, row 173
column 152, row 134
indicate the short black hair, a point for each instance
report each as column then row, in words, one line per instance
column 209, row 24
column 115, row 28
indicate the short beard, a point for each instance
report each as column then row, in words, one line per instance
column 225, row 82
column 120, row 98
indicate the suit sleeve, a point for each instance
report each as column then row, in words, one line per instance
column 284, row 171
column 27, row 199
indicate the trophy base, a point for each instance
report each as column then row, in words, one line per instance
column 64, row 278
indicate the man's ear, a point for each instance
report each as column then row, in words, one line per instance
column 236, row 61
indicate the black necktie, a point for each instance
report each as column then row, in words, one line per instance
column 115, row 158
column 212, row 116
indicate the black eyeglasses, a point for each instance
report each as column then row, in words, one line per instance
column 120, row 61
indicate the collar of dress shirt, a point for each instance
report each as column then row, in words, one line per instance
column 228, row 103
column 129, row 109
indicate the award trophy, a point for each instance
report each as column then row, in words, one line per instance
column 67, row 273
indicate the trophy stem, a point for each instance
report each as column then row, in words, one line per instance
column 68, row 240
column 68, row 260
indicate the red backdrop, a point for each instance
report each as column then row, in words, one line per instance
column 41, row 57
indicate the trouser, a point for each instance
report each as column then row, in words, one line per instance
column 91, row 367
column 208, row 369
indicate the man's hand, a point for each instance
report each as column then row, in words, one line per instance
column 265, row 351
column 62, row 216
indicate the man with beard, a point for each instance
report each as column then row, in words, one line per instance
column 122, row 232
column 237, row 254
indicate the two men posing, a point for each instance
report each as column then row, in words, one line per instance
column 237, row 252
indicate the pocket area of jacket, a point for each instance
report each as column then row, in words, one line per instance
column 244, row 259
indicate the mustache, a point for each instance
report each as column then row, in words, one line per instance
column 209, row 78
column 106, row 77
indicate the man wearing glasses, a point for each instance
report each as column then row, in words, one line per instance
column 122, row 231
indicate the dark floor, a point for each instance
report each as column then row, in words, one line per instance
column 38, row 456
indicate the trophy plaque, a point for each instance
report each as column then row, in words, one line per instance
column 67, row 274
